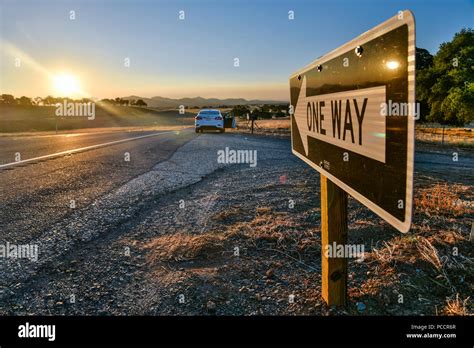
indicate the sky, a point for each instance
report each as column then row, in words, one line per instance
column 175, row 58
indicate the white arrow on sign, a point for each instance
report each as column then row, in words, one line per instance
column 350, row 120
column 300, row 111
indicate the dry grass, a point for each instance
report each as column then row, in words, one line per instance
column 452, row 136
column 399, row 249
column 442, row 269
column 428, row 252
column 228, row 214
column 273, row 126
column 442, row 199
column 32, row 119
column 182, row 247
column 411, row 264
column 267, row 229
column 267, row 226
column 409, row 249
column 456, row 306
column 412, row 249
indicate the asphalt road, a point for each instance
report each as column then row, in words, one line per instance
column 35, row 195
column 40, row 145
column 114, row 198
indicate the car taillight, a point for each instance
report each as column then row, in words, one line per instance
column 198, row 118
column 219, row 118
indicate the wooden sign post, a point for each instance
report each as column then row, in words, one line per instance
column 353, row 120
column 333, row 231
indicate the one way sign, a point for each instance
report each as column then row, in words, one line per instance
column 354, row 115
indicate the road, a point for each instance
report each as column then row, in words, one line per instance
column 41, row 145
column 39, row 193
column 93, row 215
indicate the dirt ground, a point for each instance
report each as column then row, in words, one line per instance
column 427, row 271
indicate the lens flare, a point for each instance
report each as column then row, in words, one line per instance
column 392, row 64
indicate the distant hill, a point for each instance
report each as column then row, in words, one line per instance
column 163, row 103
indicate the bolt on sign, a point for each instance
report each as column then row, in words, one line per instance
column 354, row 117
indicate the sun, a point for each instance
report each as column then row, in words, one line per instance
column 66, row 85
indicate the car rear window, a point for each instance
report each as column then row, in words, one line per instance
column 209, row 113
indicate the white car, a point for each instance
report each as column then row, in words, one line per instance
column 209, row 119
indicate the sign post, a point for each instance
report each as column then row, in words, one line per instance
column 353, row 121
column 333, row 230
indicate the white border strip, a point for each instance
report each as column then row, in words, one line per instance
column 67, row 152
column 390, row 24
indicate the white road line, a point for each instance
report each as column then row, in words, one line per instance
column 58, row 154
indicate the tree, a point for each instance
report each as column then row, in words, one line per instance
column 8, row 99
column 448, row 85
column 262, row 112
column 265, row 108
column 24, row 101
column 38, row 101
column 140, row 102
column 49, row 100
column 424, row 61
column 240, row 110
